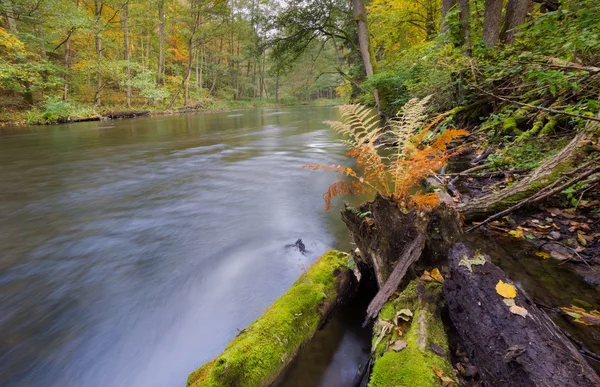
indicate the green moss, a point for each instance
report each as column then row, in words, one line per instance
column 257, row 355
column 387, row 312
column 550, row 125
column 411, row 367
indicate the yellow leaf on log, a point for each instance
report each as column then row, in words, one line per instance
column 436, row 275
column 506, row 290
column 516, row 233
column 543, row 254
column 515, row 309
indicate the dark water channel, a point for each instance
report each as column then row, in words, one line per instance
column 132, row 251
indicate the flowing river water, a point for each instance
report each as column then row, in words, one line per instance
column 132, row 251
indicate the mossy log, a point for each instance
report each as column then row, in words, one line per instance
column 390, row 240
column 262, row 351
column 548, row 172
column 508, row 349
column 422, row 339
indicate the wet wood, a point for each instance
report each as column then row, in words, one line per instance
column 411, row 253
column 508, row 349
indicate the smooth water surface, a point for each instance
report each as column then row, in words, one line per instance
column 132, row 251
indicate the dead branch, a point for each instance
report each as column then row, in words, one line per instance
column 537, row 197
column 410, row 255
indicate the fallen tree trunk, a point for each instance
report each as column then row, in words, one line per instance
column 409, row 339
column 263, row 350
column 549, row 171
column 508, row 349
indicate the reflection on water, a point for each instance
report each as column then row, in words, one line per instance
column 132, row 251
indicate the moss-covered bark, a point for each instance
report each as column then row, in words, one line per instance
column 262, row 351
column 412, row 365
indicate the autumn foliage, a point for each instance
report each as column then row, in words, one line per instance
column 419, row 152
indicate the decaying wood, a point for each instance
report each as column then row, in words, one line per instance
column 381, row 232
column 508, row 349
column 411, row 254
column 539, row 196
column 390, row 240
column 541, row 177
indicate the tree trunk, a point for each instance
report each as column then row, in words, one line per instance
column 10, row 20
column 67, row 69
column 465, row 25
column 516, row 12
column 360, row 15
column 39, row 29
column 446, row 6
column 161, row 41
column 508, row 349
column 125, row 27
column 98, row 44
column 492, row 20
column 381, row 231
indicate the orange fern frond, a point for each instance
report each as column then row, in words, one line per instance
column 336, row 189
column 337, row 168
column 441, row 142
column 425, row 201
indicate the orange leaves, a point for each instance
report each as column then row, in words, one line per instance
column 426, row 201
column 396, row 176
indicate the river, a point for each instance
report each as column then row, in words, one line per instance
column 132, row 251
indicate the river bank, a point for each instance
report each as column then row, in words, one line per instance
column 61, row 112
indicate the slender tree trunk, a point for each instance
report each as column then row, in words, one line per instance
column 98, row 43
column 67, row 69
column 200, row 74
column 125, row 27
column 465, row 24
column 492, row 21
column 516, row 12
column 10, row 20
column 360, row 15
column 161, row 41
column 39, row 30
column 446, row 6
column 277, row 87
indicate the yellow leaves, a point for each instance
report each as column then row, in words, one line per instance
column 516, row 233
column 543, row 254
column 581, row 316
column 509, row 292
column 581, row 239
column 435, row 275
column 515, row 309
column 506, row 290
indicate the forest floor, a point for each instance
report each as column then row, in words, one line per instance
column 567, row 230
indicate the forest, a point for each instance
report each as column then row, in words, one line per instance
column 471, row 127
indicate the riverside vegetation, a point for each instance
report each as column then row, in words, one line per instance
column 463, row 116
